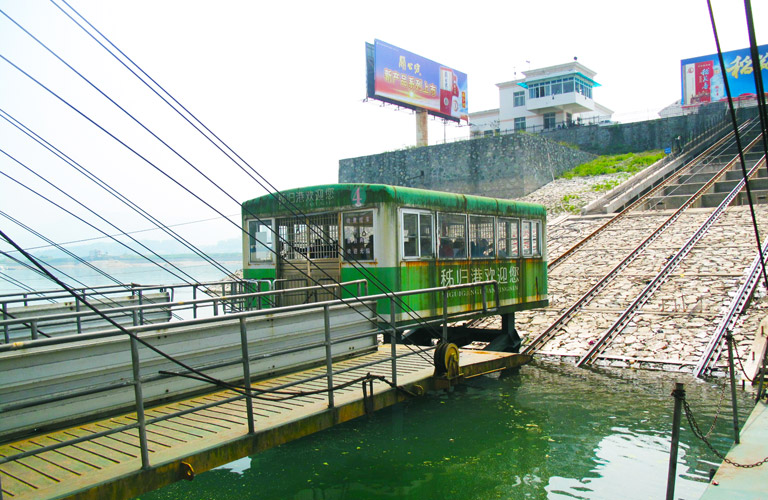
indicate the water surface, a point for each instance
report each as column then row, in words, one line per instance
column 549, row 432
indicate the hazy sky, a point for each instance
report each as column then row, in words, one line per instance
column 283, row 84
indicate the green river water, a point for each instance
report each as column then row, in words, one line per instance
column 548, row 432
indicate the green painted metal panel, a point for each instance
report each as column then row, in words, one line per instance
column 352, row 196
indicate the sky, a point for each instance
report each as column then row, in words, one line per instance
column 283, row 84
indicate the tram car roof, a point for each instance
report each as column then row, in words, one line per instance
column 327, row 197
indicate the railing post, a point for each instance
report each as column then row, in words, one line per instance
column 139, row 402
column 485, row 299
column 194, row 304
column 393, row 339
column 729, row 339
column 6, row 333
column 679, row 395
column 77, row 309
column 141, row 311
column 445, row 315
column 328, row 354
column 34, row 329
column 215, row 307
column 246, row 375
column 497, row 298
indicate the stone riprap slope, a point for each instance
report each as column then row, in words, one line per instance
column 673, row 328
column 570, row 195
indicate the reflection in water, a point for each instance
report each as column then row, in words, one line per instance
column 551, row 431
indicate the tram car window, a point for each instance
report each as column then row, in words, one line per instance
column 260, row 241
column 481, row 237
column 417, row 230
column 531, row 231
column 508, row 246
column 453, row 236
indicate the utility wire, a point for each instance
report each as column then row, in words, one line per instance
column 70, row 254
column 137, row 231
column 129, row 248
column 110, row 224
column 738, row 142
column 202, row 375
column 175, row 181
column 112, row 191
column 279, row 197
column 758, row 74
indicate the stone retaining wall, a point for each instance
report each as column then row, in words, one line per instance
column 507, row 166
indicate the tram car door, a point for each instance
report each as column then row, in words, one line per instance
column 311, row 257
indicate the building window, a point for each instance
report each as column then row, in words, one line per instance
column 520, row 123
column 418, row 239
column 519, row 99
column 481, row 236
column 358, row 235
column 549, row 120
column 453, row 236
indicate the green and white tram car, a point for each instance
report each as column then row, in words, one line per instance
column 407, row 238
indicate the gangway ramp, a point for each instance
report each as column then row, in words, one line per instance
column 102, row 415
column 214, row 429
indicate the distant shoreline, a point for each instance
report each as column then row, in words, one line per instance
column 130, row 260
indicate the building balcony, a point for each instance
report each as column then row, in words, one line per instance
column 571, row 102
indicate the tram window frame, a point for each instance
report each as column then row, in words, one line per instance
column 508, row 239
column 253, row 241
column 476, row 250
column 533, row 239
column 444, row 238
column 361, row 257
column 421, row 241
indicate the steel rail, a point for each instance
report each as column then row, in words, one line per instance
column 604, row 340
column 642, row 199
column 735, row 309
column 549, row 333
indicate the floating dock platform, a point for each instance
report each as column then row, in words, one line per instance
column 214, row 432
column 740, row 483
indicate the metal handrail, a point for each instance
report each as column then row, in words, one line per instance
column 246, row 358
column 246, row 314
column 108, row 290
column 33, row 321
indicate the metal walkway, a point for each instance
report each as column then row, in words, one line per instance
column 215, row 429
column 733, row 483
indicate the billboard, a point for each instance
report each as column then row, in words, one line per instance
column 702, row 78
column 400, row 77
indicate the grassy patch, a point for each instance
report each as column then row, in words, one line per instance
column 567, row 203
column 606, row 186
column 628, row 162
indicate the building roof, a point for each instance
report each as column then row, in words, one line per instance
column 570, row 68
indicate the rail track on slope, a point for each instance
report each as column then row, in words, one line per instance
column 599, row 344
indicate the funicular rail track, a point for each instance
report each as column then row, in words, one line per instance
column 602, row 342
column 699, row 159
column 550, row 332
column 735, row 309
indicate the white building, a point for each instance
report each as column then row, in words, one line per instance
column 547, row 98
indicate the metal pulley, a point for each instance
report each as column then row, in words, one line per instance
column 446, row 360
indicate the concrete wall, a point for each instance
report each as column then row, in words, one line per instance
column 508, row 166
column 639, row 136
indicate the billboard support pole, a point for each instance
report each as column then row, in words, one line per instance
column 422, row 138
